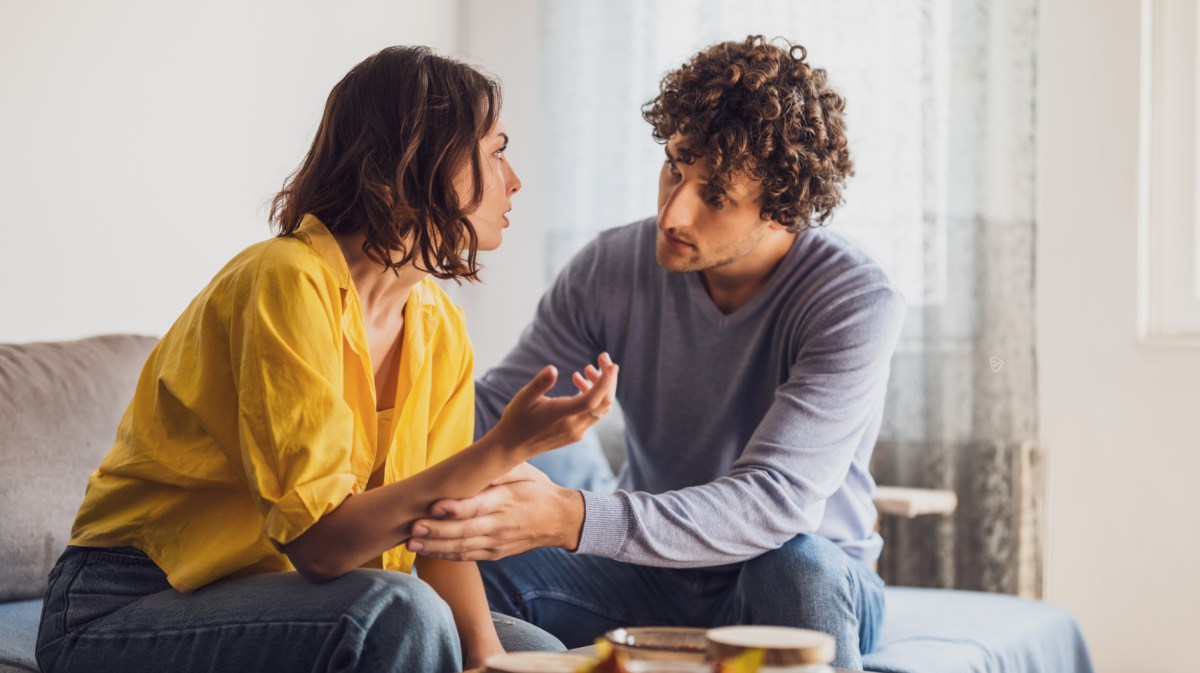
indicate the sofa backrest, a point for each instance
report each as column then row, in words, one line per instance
column 59, row 408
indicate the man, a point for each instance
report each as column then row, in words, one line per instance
column 755, row 352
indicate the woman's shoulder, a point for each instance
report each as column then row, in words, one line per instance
column 285, row 259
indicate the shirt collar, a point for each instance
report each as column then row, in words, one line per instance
column 318, row 236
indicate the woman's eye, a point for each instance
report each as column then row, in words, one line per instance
column 500, row 152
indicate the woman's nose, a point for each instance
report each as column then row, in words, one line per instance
column 514, row 182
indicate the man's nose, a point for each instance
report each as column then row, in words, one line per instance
column 680, row 207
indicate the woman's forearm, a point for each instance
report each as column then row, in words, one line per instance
column 364, row 526
column 367, row 524
column 459, row 584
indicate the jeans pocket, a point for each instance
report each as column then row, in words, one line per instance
column 53, row 624
column 106, row 581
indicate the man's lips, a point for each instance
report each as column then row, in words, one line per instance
column 675, row 242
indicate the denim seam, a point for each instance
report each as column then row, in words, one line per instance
column 112, row 557
column 199, row 629
column 540, row 594
column 66, row 596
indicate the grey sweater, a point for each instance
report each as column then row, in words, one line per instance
column 743, row 430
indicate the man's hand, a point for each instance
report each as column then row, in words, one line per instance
column 520, row 511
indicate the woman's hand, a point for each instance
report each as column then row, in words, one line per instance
column 533, row 423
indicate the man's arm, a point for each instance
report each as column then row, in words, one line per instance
column 798, row 456
column 796, row 459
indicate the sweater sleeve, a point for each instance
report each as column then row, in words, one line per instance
column 797, row 457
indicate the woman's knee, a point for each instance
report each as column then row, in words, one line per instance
column 402, row 624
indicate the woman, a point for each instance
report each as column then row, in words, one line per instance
column 308, row 406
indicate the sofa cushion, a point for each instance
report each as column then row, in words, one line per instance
column 18, row 635
column 59, row 408
column 945, row 631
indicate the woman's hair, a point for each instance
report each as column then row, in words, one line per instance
column 753, row 108
column 396, row 131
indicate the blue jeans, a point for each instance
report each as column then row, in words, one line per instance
column 808, row 583
column 112, row 609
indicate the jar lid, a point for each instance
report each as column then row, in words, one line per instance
column 784, row 645
column 535, row 662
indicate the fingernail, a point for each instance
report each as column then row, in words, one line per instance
column 415, row 545
column 420, row 531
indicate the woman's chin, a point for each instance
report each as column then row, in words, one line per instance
column 490, row 243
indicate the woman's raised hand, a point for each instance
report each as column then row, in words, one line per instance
column 533, row 423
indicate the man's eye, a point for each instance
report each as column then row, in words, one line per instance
column 673, row 166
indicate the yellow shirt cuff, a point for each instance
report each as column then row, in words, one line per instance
column 305, row 504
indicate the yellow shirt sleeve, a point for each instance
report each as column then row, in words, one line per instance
column 294, row 425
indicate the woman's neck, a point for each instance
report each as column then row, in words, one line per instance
column 379, row 288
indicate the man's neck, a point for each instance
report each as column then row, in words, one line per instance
column 731, row 286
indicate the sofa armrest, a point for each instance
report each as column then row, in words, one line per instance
column 913, row 502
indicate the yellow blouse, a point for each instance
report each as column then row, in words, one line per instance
column 255, row 415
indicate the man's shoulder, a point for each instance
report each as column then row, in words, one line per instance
column 837, row 265
column 832, row 279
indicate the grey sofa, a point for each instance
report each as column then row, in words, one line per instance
column 59, row 408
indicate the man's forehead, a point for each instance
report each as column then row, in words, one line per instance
column 742, row 183
column 677, row 145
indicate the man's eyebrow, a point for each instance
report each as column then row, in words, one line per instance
column 668, row 151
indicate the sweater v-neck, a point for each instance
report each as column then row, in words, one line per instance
column 700, row 297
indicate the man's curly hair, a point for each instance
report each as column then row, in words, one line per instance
column 757, row 109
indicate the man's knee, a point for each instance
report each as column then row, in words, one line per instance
column 808, row 565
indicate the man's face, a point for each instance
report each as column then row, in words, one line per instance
column 694, row 235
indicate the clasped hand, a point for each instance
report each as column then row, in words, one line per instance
column 523, row 509
column 520, row 511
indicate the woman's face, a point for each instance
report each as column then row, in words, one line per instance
column 499, row 184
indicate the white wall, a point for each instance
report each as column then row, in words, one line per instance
column 140, row 141
column 1120, row 420
column 501, row 38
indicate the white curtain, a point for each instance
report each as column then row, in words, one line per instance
column 940, row 116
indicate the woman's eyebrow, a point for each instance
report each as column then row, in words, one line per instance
column 504, row 136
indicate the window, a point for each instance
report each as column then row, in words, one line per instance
column 1169, row 264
